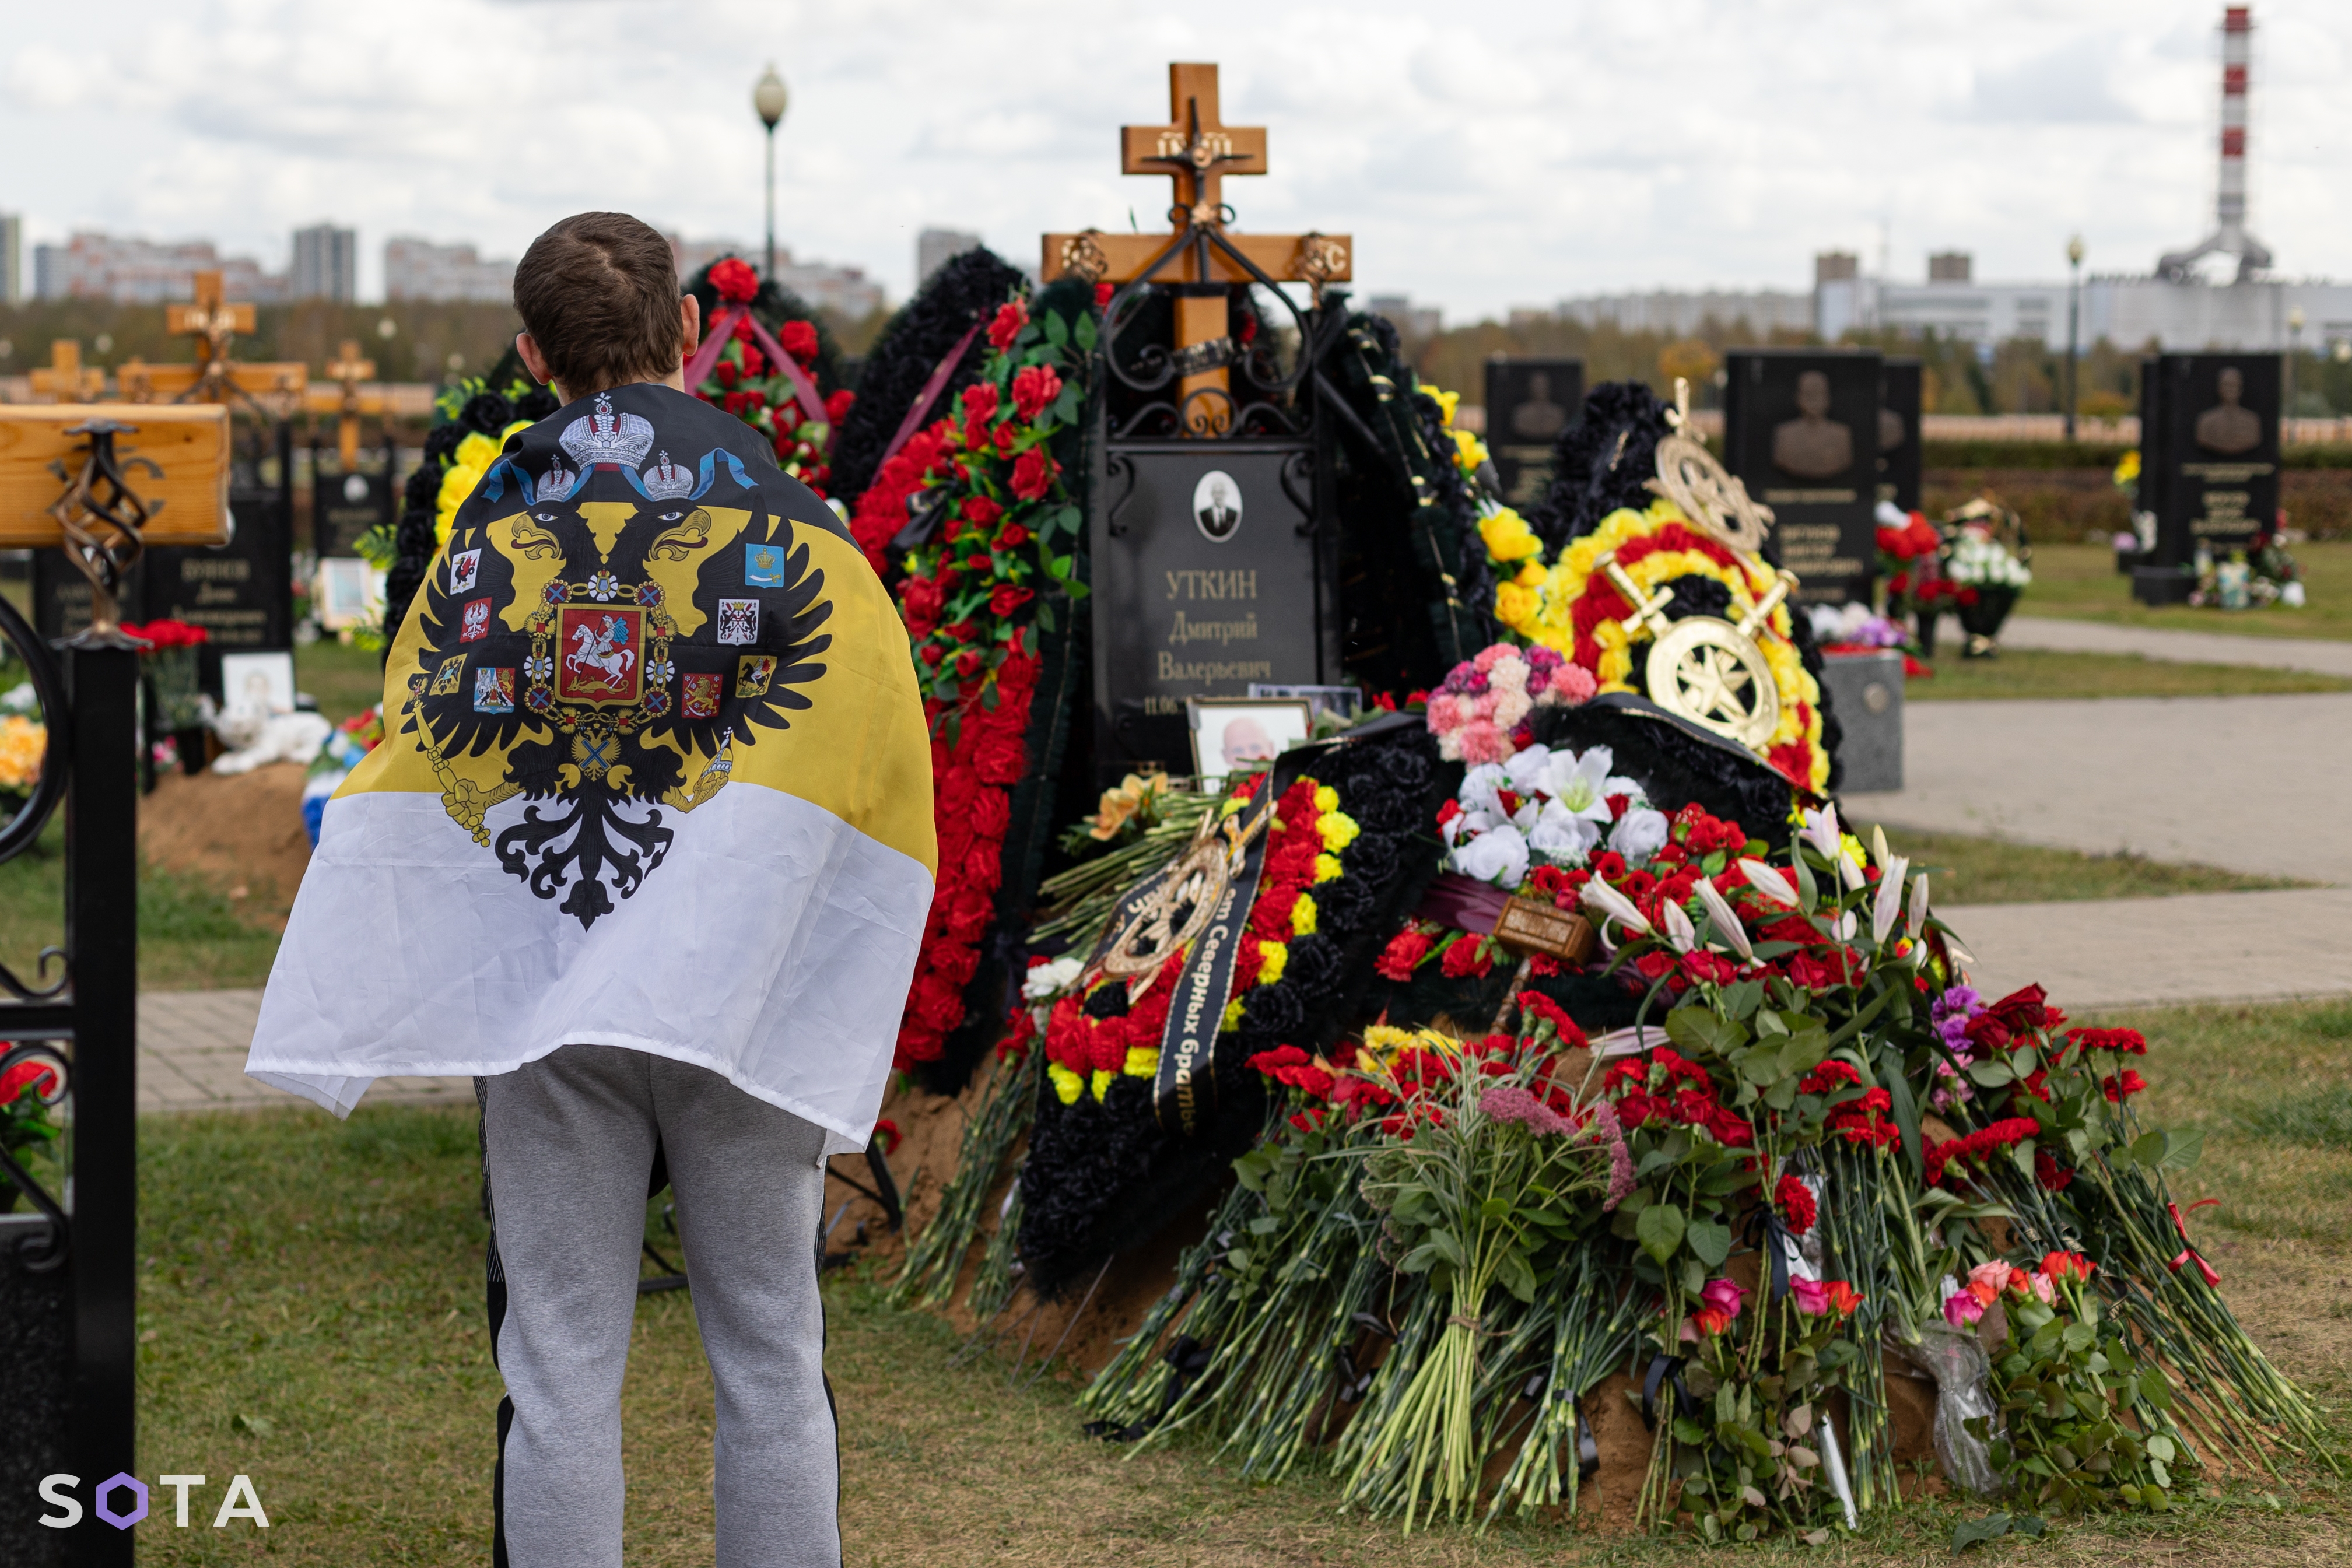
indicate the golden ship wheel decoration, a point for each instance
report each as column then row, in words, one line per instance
column 1702, row 668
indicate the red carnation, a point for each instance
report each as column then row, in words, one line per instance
column 1466, row 957
column 1008, row 599
column 1794, row 1199
column 798, row 339
column 1406, row 949
column 1010, row 317
column 1032, row 474
column 1002, row 758
column 1033, row 389
column 735, row 280
column 2120, row 1090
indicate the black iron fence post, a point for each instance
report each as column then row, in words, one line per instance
column 102, row 947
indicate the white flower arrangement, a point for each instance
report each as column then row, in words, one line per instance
column 1543, row 806
column 1982, row 561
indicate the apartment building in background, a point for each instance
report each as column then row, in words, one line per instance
column 415, row 268
column 326, row 263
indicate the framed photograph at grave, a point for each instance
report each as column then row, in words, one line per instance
column 258, row 682
column 1801, row 430
column 1529, row 402
column 348, row 591
column 1237, row 734
column 1343, row 702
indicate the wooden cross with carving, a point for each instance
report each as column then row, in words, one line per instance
column 213, row 322
column 351, row 370
column 64, row 379
column 1197, row 150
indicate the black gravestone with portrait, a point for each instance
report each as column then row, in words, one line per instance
column 1898, row 434
column 240, row 592
column 2210, row 452
column 1801, row 430
column 346, row 506
column 1529, row 402
column 1205, row 580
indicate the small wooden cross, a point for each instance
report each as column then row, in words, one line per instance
column 1197, row 150
column 350, row 369
column 64, row 379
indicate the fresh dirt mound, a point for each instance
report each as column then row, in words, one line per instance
column 235, row 830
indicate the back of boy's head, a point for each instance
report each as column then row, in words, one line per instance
column 598, row 293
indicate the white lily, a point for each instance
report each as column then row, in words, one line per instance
column 1878, row 855
column 1849, row 872
column 1821, row 829
column 1918, row 913
column 1726, row 922
column 1768, row 882
column 1889, row 902
column 1847, row 926
column 1610, row 905
column 1579, row 785
column 1680, row 934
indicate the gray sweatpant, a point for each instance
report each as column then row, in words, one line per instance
column 568, row 1143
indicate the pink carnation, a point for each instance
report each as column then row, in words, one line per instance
column 1494, row 653
column 1482, row 742
column 1574, row 684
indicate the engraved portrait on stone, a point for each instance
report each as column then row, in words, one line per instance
column 1812, row 445
column 1538, row 418
column 2227, row 427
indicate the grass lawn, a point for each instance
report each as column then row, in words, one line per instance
column 311, row 1315
column 1966, row 869
column 193, row 935
column 2019, row 672
column 344, row 680
column 2079, row 583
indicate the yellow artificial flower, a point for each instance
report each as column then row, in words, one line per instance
column 1515, row 607
column 1326, row 797
column 1326, row 869
column 23, row 743
column 1531, row 575
column 1338, row 829
column 1447, row 402
column 1104, row 1078
column 1508, row 536
column 2127, row 469
column 1470, row 452
column 1272, row 958
column 1067, row 1085
column 1233, row 1018
column 1302, row 916
column 1142, row 1061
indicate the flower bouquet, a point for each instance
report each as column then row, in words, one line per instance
column 169, row 662
column 1988, row 573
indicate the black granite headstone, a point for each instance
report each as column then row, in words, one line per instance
column 1205, row 580
column 2210, row 451
column 241, row 593
column 1898, row 434
column 61, row 596
column 1801, row 430
column 344, row 506
column 1529, row 402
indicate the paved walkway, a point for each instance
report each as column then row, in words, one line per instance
column 191, row 1048
column 2315, row 654
column 2130, row 952
column 2251, row 783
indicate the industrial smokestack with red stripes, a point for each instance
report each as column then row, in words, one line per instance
column 2230, row 237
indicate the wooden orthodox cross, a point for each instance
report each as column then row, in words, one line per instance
column 351, row 370
column 215, row 323
column 64, row 379
column 1197, row 151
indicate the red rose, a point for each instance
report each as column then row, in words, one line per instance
column 735, row 280
column 980, row 402
column 931, row 654
column 1033, row 389
column 923, row 600
column 836, row 407
column 1010, row 318
column 1013, row 536
column 754, row 362
column 967, row 663
column 981, row 510
column 798, row 339
column 726, row 372
column 1103, row 291
column 1008, row 599
column 1032, row 474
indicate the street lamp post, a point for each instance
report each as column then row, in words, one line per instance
column 2073, row 323
column 769, row 97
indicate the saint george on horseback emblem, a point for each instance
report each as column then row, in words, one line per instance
column 603, row 660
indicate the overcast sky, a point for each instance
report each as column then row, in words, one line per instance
column 1483, row 155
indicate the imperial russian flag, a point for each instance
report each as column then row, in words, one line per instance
column 655, row 774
